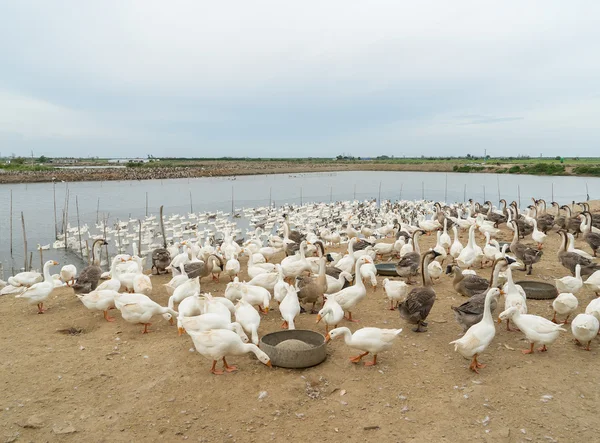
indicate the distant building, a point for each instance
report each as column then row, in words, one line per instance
column 63, row 161
column 127, row 160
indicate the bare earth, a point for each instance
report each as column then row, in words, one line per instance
column 111, row 383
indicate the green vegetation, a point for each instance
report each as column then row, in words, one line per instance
column 467, row 168
column 587, row 170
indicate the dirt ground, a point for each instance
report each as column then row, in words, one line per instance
column 111, row 383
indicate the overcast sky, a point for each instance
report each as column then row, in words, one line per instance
column 299, row 78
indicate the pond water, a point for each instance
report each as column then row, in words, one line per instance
column 127, row 199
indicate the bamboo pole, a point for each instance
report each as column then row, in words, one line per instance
column 11, row 223
column 270, row 195
column 401, row 186
column 300, row 195
column 67, row 220
column 498, row 183
column 232, row 199
column 24, row 240
column 465, row 193
column 484, row 199
column 140, row 239
column 98, row 210
column 519, row 194
column 354, row 198
column 146, row 204
column 422, row 190
column 55, row 219
column 446, row 190
column 105, row 246
column 30, row 260
column 552, row 191
column 41, row 258
column 191, row 205
column 79, row 228
column 379, row 195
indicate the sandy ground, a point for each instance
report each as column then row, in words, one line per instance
column 111, row 383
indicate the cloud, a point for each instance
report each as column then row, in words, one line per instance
column 281, row 78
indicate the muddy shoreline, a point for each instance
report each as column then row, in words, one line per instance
column 208, row 169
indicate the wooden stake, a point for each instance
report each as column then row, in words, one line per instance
column 24, row 240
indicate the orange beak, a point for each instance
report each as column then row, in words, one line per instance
column 499, row 320
column 269, row 364
column 318, row 318
column 54, row 263
column 327, row 338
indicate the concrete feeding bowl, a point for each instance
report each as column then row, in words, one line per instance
column 537, row 290
column 303, row 349
column 386, row 269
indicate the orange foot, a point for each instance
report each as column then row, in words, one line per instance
column 528, row 351
column 284, row 325
column 372, row 363
column 543, row 349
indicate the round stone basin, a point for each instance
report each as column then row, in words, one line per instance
column 294, row 349
column 386, row 269
column 538, row 290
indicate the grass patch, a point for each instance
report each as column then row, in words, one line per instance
column 587, row 170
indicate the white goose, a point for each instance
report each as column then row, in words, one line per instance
column 370, row 340
column 585, row 328
column 537, row 329
column 100, row 300
column 564, row 304
column 289, row 308
column 457, row 246
column 39, row 292
column 514, row 296
column 139, row 309
column 480, row 335
column 331, row 313
column 217, row 344
column 396, row 291
column 570, row 284
column 249, row 318
column 349, row 297
column 294, row 266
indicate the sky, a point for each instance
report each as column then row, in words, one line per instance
column 272, row 78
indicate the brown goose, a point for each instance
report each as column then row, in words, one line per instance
column 525, row 229
column 471, row 311
column 524, row 253
column 591, row 238
column 572, row 223
column 161, row 258
column 494, row 216
column 90, row 275
column 544, row 220
column 202, row 269
column 570, row 260
column 408, row 265
column 467, row 285
column 420, row 300
column 310, row 289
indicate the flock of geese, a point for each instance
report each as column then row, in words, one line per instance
column 312, row 278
